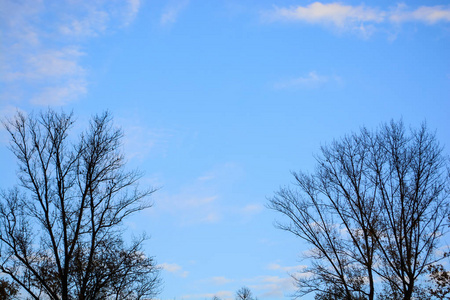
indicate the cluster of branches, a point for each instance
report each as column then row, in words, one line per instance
column 373, row 211
column 60, row 228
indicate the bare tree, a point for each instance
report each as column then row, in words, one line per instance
column 411, row 181
column 374, row 208
column 60, row 229
column 244, row 293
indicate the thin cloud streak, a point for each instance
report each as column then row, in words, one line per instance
column 288, row 269
column 426, row 14
column 172, row 11
column 334, row 13
column 312, row 80
column 220, row 280
column 200, row 201
column 174, row 268
column 360, row 19
column 252, row 209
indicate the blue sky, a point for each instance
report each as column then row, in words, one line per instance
column 219, row 101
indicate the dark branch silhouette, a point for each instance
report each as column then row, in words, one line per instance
column 375, row 208
column 60, row 229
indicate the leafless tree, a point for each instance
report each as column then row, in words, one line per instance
column 374, row 208
column 60, row 229
column 244, row 293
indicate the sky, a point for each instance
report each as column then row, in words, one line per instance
column 219, row 101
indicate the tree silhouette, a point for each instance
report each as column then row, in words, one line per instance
column 244, row 293
column 375, row 208
column 61, row 227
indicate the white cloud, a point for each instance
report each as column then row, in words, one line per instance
column 60, row 95
column 133, row 9
column 288, row 269
column 193, row 202
column 252, row 209
column 262, row 286
column 191, row 206
column 273, row 286
column 276, row 286
column 311, row 81
column 335, row 14
column 140, row 141
column 220, row 280
column 226, row 295
column 48, row 65
column 55, row 63
column 248, row 211
column 360, row 19
column 39, row 53
column 174, row 268
column 200, row 200
column 206, row 177
column 91, row 26
column 212, row 217
column 56, row 75
column 172, row 11
column 10, row 111
column 425, row 14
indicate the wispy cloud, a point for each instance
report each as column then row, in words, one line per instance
column 273, row 286
column 50, row 63
column 199, row 200
column 425, row 14
column 172, row 11
column 226, row 295
column 191, row 207
column 251, row 209
column 60, row 94
column 336, row 14
column 310, row 81
column 41, row 42
column 360, row 19
column 132, row 11
column 174, row 268
column 279, row 284
column 288, row 269
column 263, row 286
column 297, row 271
column 141, row 141
column 220, row 280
